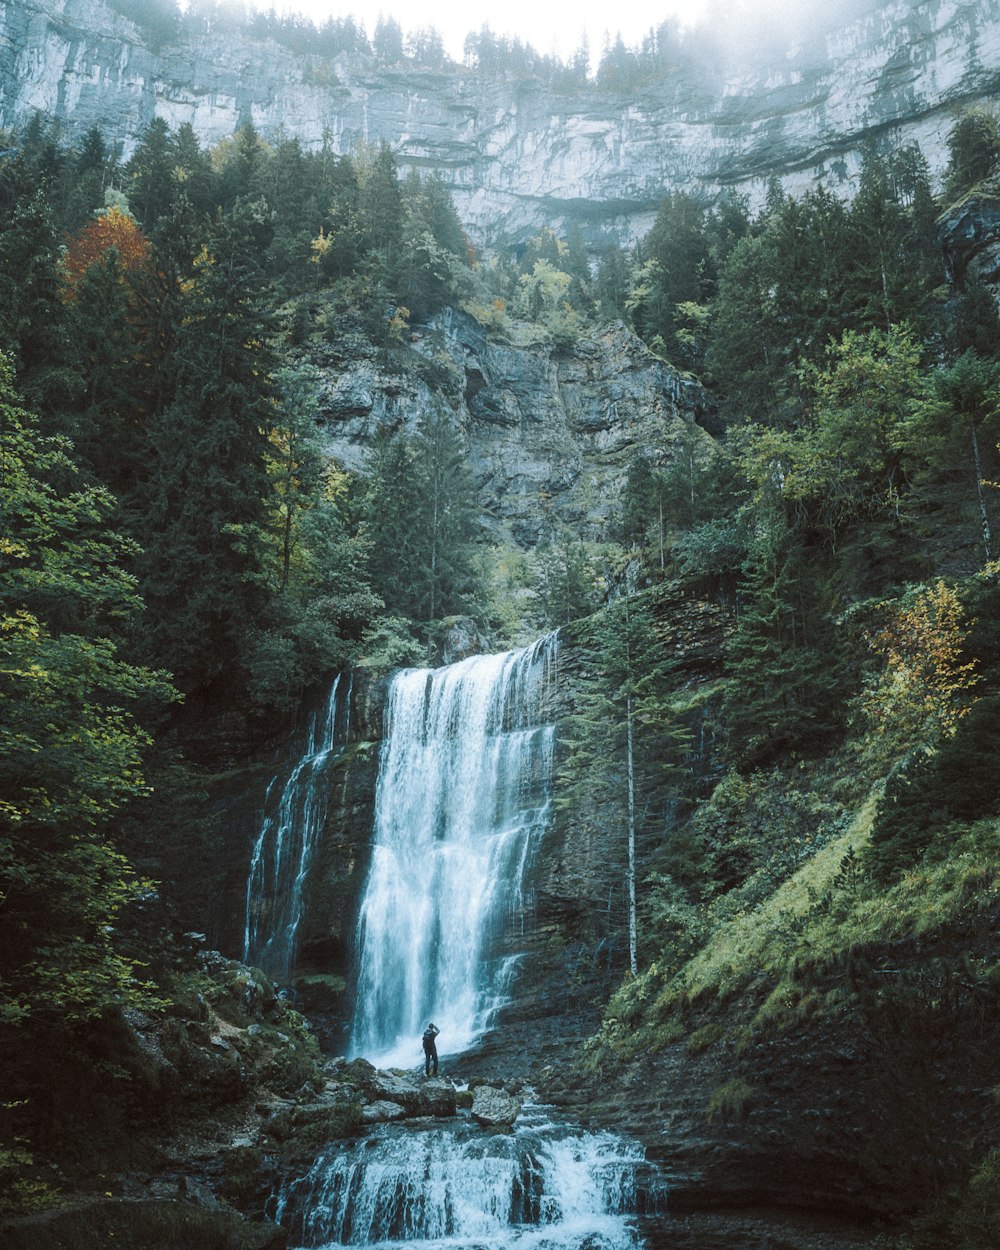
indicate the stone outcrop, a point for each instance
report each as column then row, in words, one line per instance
column 382, row 1112
column 495, row 1108
column 970, row 230
column 549, row 432
column 516, row 154
column 460, row 639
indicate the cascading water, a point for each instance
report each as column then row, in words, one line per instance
column 544, row 1187
column 463, row 795
column 294, row 814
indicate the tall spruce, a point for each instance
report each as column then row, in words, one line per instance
column 202, row 509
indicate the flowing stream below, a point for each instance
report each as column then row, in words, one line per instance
column 543, row 1186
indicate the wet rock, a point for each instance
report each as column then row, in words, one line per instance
column 358, row 1072
column 495, row 1108
column 461, row 638
column 314, row 1123
column 400, row 1089
column 380, row 1112
column 437, row 1098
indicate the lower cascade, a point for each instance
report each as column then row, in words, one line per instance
column 545, row 1186
column 462, row 799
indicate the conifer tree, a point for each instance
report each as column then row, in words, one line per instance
column 149, row 174
column 71, row 742
column 203, row 506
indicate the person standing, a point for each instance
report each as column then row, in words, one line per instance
column 430, row 1049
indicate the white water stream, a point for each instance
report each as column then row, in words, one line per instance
column 545, row 1186
column 295, row 808
column 462, row 800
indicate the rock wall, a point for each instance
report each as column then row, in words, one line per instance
column 516, row 154
column 549, row 433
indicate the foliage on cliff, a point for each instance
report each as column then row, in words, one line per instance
column 840, row 872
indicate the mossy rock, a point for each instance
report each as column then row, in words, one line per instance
column 129, row 1225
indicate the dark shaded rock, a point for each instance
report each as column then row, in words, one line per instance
column 166, row 1223
column 970, row 233
column 359, row 1072
column 460, row 638
column 314, row 1123
column 437, row 1098
column 399, row 1089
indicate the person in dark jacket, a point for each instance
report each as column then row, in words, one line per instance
column 430, row 1049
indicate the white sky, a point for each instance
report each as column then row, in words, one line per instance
column 548, row 25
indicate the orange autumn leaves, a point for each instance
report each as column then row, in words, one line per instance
column 114, row 227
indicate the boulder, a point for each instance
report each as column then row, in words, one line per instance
column 460, row 638
column 495, row 1107
column 385, row 1087
column 437, row 1097
column 380, row 1112
column 358, row 1072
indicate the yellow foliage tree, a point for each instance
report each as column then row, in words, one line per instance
column 924, row 688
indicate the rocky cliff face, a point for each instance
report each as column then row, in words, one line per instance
column 515, row 153
column 550, row 433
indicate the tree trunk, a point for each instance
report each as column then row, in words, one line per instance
column 632, row 960
column 983, row 515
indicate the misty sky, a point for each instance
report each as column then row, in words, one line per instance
column 548, row 27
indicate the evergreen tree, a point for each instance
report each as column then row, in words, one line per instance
column 149, row 175
column 448, row 521
column 193, row 171
column 244, row 173
column 106, row 426
column 783, row 692
column 612, row 282
column 392, row 499
column 566, row 585
column 421, row 522
column 893, row 262
column 33, row 330
column 432, row 248
column 71, row 742
column 381, row 210
column 203, row 505
column 974, row 151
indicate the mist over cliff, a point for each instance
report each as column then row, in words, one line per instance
column 518, row 151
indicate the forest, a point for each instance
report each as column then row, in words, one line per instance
column 181, row 563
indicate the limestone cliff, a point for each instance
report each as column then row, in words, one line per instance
column 515, row 153
column 550, row 433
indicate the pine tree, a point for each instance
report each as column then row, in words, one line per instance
column 149, row 175
column 71, row 746
column 202, row 508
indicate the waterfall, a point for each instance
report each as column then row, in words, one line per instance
column 293, row 816
column 463, row 794
column 544, row 1187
